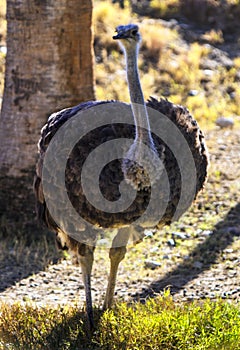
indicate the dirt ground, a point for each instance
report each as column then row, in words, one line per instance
column 196, row 258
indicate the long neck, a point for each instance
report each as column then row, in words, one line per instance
column 136, row 96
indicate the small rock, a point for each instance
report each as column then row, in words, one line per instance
column 3, row 49
column 225, row 122
column 165, row 257
column 171, row 242
column 198, row 231
column 151, row 264
column 221, row 58
column 22, row 283
column 154, row 250
column 193, row 93
column 148, row 233
column 180, row 235
column 232, row 273
column 224, row 295
column 229, row 251
column 207, row 233
column 197, row 264
column 232, row 95
column 208, row 72
column 33, row 284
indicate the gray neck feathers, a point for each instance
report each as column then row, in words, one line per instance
column 136, row 95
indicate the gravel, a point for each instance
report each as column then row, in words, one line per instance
column 211, row 269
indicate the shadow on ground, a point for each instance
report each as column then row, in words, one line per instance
column 207, row 253
column 19, row 260
column 76, row 328
column 25, row 246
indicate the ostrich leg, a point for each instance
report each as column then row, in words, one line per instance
column 86, row 262
column 116, row 254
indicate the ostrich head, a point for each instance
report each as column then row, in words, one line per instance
column 128, row 35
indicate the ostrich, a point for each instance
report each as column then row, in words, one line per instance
column 131, row 168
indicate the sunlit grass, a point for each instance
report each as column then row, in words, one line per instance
column 214, row 36
column 165, row 8
column 159, row 324
column 168, row 67
column 106, row 18
column 3, row 22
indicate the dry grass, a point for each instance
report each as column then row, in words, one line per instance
column 3, row 22
column 165, row 8
column 214, row 36
column 168, row 66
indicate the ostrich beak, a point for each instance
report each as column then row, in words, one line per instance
column 119, row 36
column 121, row 33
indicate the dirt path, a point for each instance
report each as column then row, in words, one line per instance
column 196, row 258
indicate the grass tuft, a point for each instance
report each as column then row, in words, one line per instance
column 158, row 324
column 161, row 324
column 29, row 327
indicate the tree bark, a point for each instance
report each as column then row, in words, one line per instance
column 48, row 67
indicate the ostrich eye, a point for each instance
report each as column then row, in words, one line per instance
column 134, row 32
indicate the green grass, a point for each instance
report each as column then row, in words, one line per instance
column 158, row 324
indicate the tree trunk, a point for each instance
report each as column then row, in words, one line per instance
column 48, row 67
